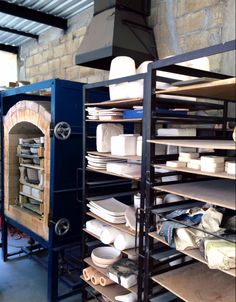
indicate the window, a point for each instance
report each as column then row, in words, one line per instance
column 8, row 68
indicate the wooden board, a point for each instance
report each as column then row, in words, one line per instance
column 197, row 143
column 114, row 174
column 30, row 196
column 103, row 271
column 194, row 253
column 197, row 283
column 124, row 103
column 218, row 192
column 110, row 291
column 121, row 227
column 129, row 252
column 130, row 157
column 31, row 185
column 219, row 90
column 32, row 166
column 198, row 172
column 120, row 120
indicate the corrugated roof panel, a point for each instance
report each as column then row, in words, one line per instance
column 61, row 8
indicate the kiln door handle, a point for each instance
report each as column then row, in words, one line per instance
column 62, row 226
column 62, row 131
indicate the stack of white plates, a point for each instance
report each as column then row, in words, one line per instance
column 109, row 209
column 100, row 162
column 96, row 113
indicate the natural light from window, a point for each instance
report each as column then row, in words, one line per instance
column 8, row 68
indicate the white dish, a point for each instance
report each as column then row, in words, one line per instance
column 105, row 256
column 110, row 206
column 109, row 218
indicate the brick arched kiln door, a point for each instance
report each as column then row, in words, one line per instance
column 25, row 119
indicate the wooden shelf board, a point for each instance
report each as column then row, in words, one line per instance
column 131, row 157
column 121, row 227
column 129, row 252
column 31, row 185
column 110, row 291
column 198, row 172
column 197, row 143
column 218, row 192
column 219, row 90
column 120, row 120
column 32, row 166
column 32, row 207
column 196, row 282
column 103, row 271
column 27, row 211
column 114, row 174
column 194, row 253
column 124, row 103
column 30, row 196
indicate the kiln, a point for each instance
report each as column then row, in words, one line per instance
column 43, row 133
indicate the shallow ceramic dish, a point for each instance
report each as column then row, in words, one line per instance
column 105, row 256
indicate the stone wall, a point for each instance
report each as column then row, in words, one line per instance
column 53, row 56
column 185, row 25
column 179, row 26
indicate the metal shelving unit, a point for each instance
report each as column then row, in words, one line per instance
column 102, row 184
column 188, row 279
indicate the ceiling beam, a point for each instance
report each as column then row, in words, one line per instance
column 9, row 48
column 19, row 32
column 32, row 15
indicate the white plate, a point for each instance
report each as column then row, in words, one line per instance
column 109, row 218
column 111, row 206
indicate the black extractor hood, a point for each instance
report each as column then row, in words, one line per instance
column 118, row 28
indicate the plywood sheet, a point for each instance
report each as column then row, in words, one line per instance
column 195, row 283
column 217, row 192
column 219, row 90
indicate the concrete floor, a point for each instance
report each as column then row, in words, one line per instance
column 24, row 280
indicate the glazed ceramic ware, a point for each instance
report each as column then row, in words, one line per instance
column 105, row 256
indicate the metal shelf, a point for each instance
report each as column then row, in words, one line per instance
column 190, row 282
column 128, row 157
column 193, row 253
column 103, row 271
column 114, row 174
column 110, row 292
column 128, row 252
column 121, row 227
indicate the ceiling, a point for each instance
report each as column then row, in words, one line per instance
column 22, row 20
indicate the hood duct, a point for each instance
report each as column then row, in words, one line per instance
column 118, row 28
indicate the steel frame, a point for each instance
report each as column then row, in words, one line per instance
column 150, row 103
column 9, row 48
column 66, row 105
column 33, row 15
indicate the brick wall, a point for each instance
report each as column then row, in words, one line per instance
column 179, row 26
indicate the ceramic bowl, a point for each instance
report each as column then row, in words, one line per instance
column 105, row 256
